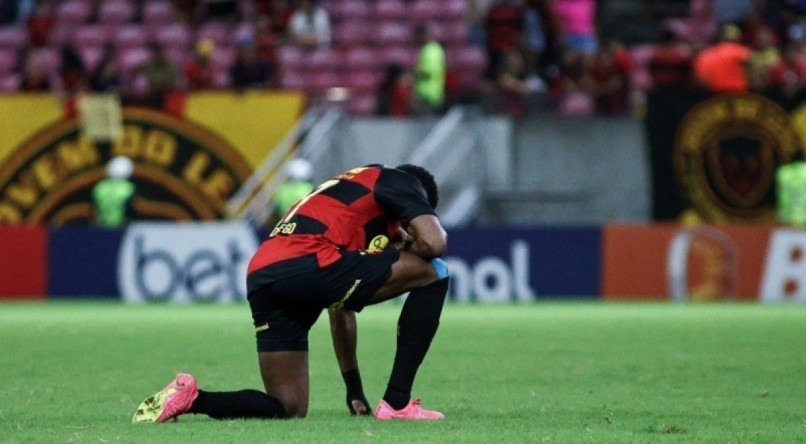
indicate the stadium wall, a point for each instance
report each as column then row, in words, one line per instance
column 206, row 262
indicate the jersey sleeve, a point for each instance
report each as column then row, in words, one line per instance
column 401, row 195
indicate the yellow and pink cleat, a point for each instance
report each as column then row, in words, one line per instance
column 412, row 411
column 170, row 402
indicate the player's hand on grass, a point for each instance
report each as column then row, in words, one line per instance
column 358, row 405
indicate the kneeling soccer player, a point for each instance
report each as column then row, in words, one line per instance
column 329, row 251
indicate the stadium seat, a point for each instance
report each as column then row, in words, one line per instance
column 389, row 10
column 10, row 83
column 73, row 11
column 466, row 58
column 50, row 58
column 178, row 56
column 91, row 56
column 350, row 9
column 222, row 78
column 223, row 58
column 156, row 12
column 173, row 36
column 456, row 31
column 392, row 33
column 320, row 81
column 12, row 37
column 293, row 81
column 362, row 81
column 425, row 11
column 361, row 59
column 400, row 55
column 352, row 33
column 242, row 31
column 62, row 34
column 291, row 57
column 131, row 36
column 454, row 9
column 116, row 12
column 8, row 60
column 362, row 105
column 215, row 31
column 132, row 58
column 91, row 35
column 322, row 60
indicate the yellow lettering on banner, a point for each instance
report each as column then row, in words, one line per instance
column 46, row 172
column 128, row 144
column 160, row 148
column 219, row 186
column 9, row 214
column 77, row 155
column 194, row 170
column 24, row 194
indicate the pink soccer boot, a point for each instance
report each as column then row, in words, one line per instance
column 412, row 411
column 170, row 402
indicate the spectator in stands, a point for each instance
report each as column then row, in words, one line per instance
column 699, row 28
column 722, row 68
column 297, row 186
column 429, row 77
column 394, row 94
column 39, row 24
column 534, row 36
column 73, row 78
column 221, row 9
column 577, row 86
column 578, row 21
column 310, row 25
column 250, row 70
column 106, row 77
column 787, row 78
column 278, row 12
column 199, row 71
column 504, row 26
column 765, row 55
column 113, row 195
column 160, row 77
column 186, row 9
column 16, row 11
column 670, row 62
column 612, row 71
column 266, row 42
column 34, row 76
column 731, row 11
column 513, row 86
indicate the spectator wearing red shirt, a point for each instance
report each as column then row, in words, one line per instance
column 722, row 68
column 788, row 76
column 199, row 72
column 670, row 63
column 611, row 71
column 34, row 77
column 39, row 25
column 504, row 26
column 394, row 94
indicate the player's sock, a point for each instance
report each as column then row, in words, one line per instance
column 237, row 405
column 416, row 328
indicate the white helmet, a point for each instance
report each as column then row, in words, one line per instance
column 120, row 167
column 299, row 169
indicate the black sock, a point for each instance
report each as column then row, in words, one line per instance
column 238, row 405
column 352, row 379
column 416, row 328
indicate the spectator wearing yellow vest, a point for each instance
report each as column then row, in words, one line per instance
column 429, row 83
column 792, row 194
column 297, row 186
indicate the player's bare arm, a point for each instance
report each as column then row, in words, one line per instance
column 344, row 329
column 429, row 238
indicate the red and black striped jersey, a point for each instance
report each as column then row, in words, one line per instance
column 345, row 213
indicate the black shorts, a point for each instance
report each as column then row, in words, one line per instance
column 284, row 311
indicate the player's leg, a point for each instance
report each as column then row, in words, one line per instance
column 285, row 377
column 427, row 282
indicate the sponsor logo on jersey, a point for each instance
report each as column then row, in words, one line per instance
column 726, row 152
column 182, row 171
column 165, row 262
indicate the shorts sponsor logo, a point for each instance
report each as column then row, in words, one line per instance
column 185, row 262
column 378, row 244
column 726, row 152
column 785, row 267
column 261, row 328
column 182, row 171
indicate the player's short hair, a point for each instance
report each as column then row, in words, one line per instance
column 426, row 179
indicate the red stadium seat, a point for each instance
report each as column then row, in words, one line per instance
column 115, row 12
column 91, row 56
column 91, row 35
column 131, row 36
column 132, row 58
column 293, row 81
column 12, row 37
column 173, row 36
column 362, row 105
column 73, row 11
column 454, row 9
column 63, row 34
column 466, row 58
column 8, row 60
column 157, row 12
column 320, row 81
column 387, row 10
column 178, row 56
column 217, row 32
column 322, row 60
column 425, row 11
column 222, row 78
column 242, row 31
column 50, row 58
column 350, row 9
column 392, row 33
column 10, row 83
column 401, row 55
column 361, row 59
column 291, row 57
column 352, row 33
column 223, row 58
column 362, row 81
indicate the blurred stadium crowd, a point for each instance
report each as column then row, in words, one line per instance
column 575, row 57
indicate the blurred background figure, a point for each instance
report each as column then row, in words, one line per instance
column 106, row 77
column 297, row 186
column 578, row 20
column 309, row 26
column 113, row 194
column 429, row 78
column 199, row 71
column 394, row 94
column 723, row 67
column 250, row 70
column 159, row 76
column 791, row 180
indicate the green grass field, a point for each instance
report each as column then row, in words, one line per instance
column 544, row 372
